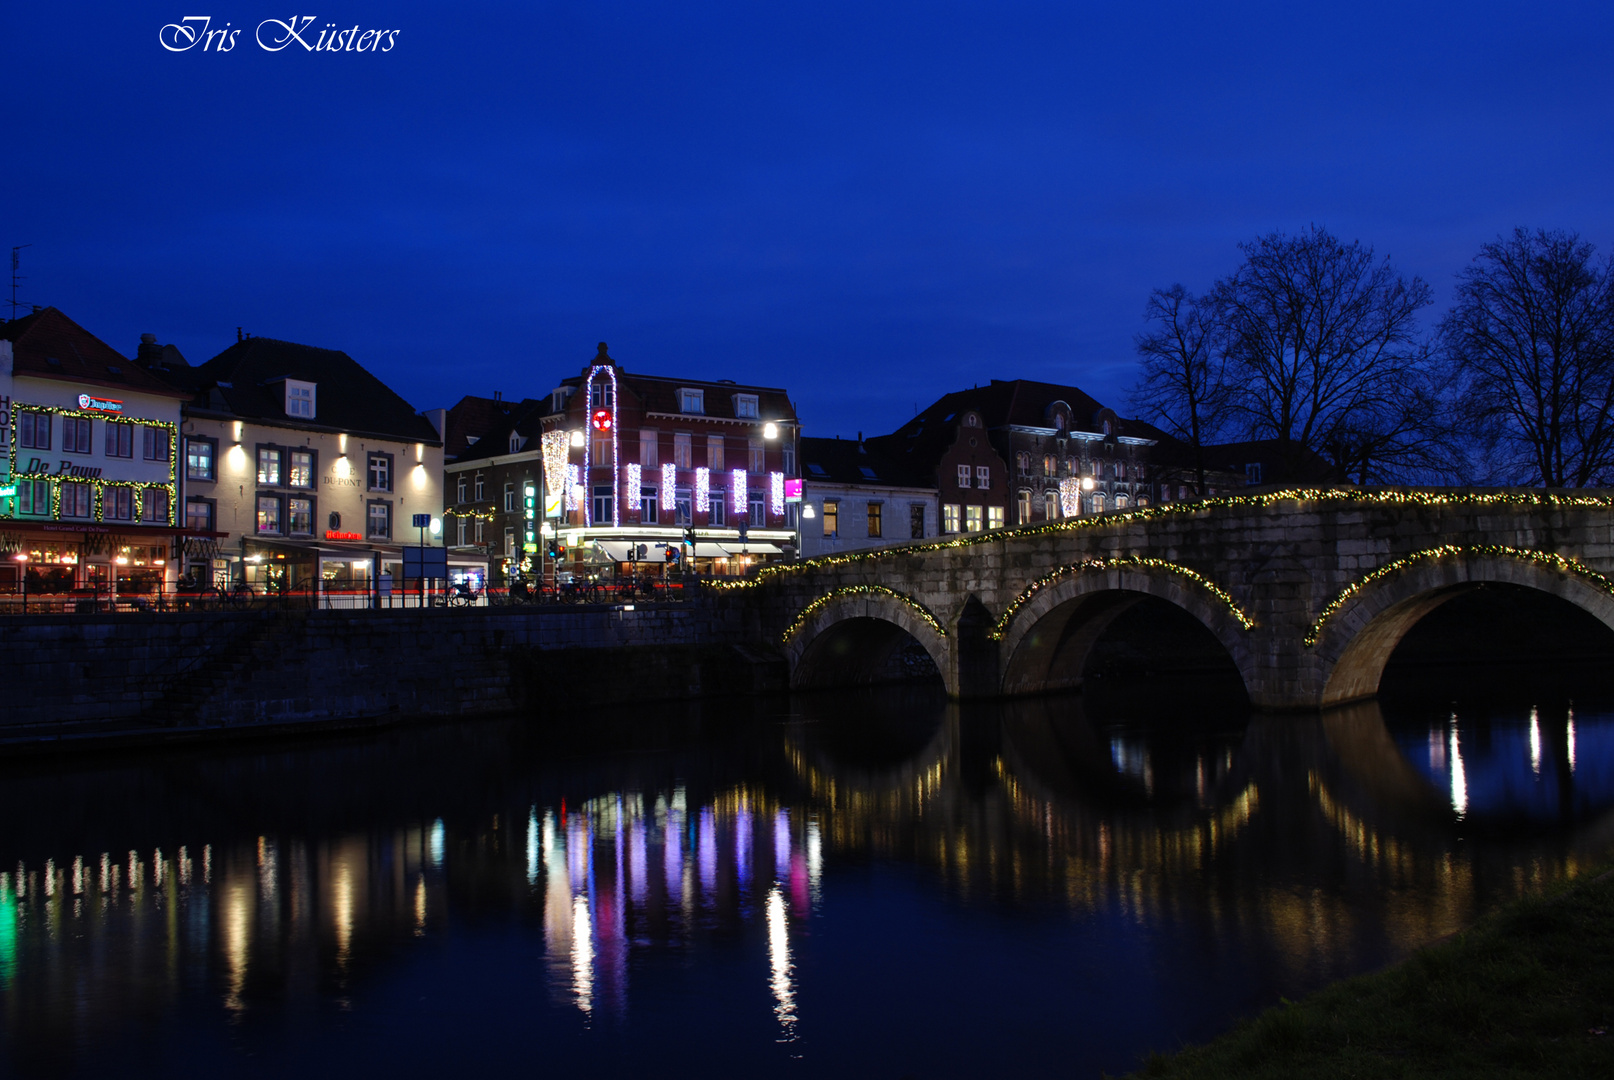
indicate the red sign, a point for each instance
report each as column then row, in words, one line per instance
column 602, row 420
column 333, row 535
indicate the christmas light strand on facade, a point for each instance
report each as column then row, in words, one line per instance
column 632, row 480
column 737, row 493
column 776, row 494
column 556, row 448
column 574, row 487
column 470, row 515
column 100, row 484
column 921, row 611
column 1070, row 496
column 588, row 444
column 1349, row 496
column 1540, row 558
column 703, row 490
column 669, row 490
column 1001, row 627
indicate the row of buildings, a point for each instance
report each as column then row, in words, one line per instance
column 290, row 466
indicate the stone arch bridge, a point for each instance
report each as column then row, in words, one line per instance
column 1309, row 591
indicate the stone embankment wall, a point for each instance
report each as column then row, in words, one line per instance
column 226, row 669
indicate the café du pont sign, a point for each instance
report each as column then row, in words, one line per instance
column 92, row 403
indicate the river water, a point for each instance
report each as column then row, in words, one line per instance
column 873, row 883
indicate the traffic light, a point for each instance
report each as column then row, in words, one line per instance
column 554, row 548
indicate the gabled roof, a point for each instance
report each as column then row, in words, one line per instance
column 659, row 393
column 850, row 461
column 493, row 438
column 246, row 380
column 49, row 345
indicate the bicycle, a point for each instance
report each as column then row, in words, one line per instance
column 461, row 595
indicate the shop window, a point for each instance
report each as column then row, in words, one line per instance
column 269, row 514
column 916, row 521
column 973, row 521
column 714, row 452
column 759, row 460
column 269, row 462
column 832, row 518
column 154, row 504
column 119, row 440
column 378, row 520
column 199, row 515
column 76, row 500
column 379, row 469
column 33, row 430
column 994, row 517
column 983, row 477
column 300, row 516
column 683, row 450
column 648, row 498
column 301, row 474
column 963, row 476
column 201, row 458
column 33, row 497
column 874, row 521
column 75, row 435
column 153, row 443
column 950, row 518
column 604, row 504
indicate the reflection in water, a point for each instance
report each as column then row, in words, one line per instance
column 831, row 849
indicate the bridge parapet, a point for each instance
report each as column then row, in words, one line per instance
column 1309, row 590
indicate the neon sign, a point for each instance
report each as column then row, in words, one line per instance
column 100, row 404
column 332, row 534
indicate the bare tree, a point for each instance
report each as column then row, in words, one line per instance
column 1321, row 342
column 1183, row 387
column 1531, row 338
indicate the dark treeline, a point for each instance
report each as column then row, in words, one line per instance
column 1317, row 346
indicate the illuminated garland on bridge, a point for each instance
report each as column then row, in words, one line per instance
column 1001, row 627
column 1541, row 558
column 919, row 609
column 1408, row 498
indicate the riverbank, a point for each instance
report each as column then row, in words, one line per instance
column 1527, row 992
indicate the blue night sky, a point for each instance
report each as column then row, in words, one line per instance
column 869, row 204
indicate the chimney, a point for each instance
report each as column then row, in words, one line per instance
column 238, row 334
column 150, row 354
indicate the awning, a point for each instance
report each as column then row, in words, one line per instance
column 732, row 548
column 617, row 550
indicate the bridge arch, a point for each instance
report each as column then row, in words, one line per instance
column 850, row 637
column 1358, row 631
column 1047, row 634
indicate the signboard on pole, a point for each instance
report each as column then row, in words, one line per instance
column 431, row 562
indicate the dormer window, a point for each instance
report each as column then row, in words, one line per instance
column 515, row 442
column 300, row 399
column 691, row 401
column 745, row 406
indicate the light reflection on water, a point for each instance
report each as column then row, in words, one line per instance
column 752, row 890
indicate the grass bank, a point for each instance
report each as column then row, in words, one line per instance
column 1527, row 992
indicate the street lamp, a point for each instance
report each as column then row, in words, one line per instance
column 577, row 437
column 770, row 430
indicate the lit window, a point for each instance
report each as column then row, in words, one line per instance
column 683, row 450
column 269, row 513
column 301, row 474
column 973, row 522
column 269, row 468
column 300, row 516
column 117, row 504
column 75, row 500
column 299, row 399
column 200, row 455
column 832, row 518
column 1024, row 508
column 154, row 504
column 714, row 452
column 950, row 518
column 650, row 447
column 1050, row 505
column 1098, row 502
column 379, row 521
column 758, row 458
column 874, row 520
column 994, row 517
column 199, row 515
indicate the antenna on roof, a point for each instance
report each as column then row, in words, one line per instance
column 16, row 277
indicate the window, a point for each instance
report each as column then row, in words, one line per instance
column 300, row 516
column 718, row 508
column 200, row 458
column 461, row 527
column 1097, row 502
column 1252, row 473
column 950, row 518
column 603, row 501
column 649, row 448
column 302, row 469
column 515, row 443
column 154, row 504
column 459, row 489
column 1024, row 509
column 599, row 395
column 153, row 443
column 300, row 399
column 75, row 500
column 509, row 498
column 379, row 468
column 983, row 476
column 971, row 420
column 832, row 518
column 1050, row 465
column 509, row 541
column 75, row 435
column 972, row 519
column 479, row 496
column 648, row 498
column 916, row 521
column 1050, row 505
column 691, row 401
column 378, row 520
column 33, row 497
column 269, row 513
column 682, row 507
column 874, row 520
column 683, row 450
column 963, row 476
column 1022, row 463
column 33, row 431
column 994, row 517
column 601, row 450
column 119, row 440
column 758, row 509
column 714, row 452
column 269, row 466
column 759, row 462
column 790, row 458
column 477, row 536
column 1120, row 502
column 745, row 406
column 199, row 515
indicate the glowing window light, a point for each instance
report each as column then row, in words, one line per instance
column 669, row 485
column 776, row 494
column 1535, row 743
column 1459, row 779
column 737, row 500
column 703, row 490
column 631, row 479
column 1070, row 497
column 574, row 487
column 1571, row 734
